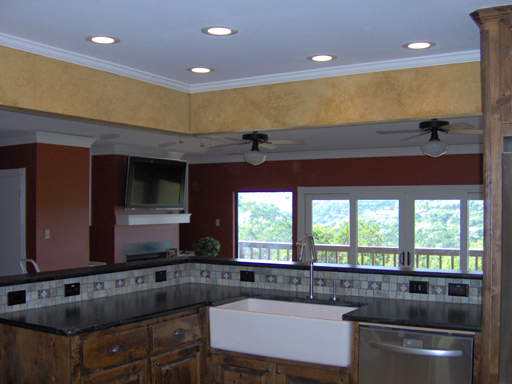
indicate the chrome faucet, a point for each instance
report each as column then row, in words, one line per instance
column 312, row 258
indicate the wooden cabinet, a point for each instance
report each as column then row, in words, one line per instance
column 232, row 368
column 244, row 369
column 166, row 350
column 180, row 366
column 132, row 373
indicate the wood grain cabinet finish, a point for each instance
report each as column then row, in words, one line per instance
column 241, row 369
column 168, row 350
column 114, row 349
column 180, row 366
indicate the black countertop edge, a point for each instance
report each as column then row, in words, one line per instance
column 95, row 315
column 112, row 268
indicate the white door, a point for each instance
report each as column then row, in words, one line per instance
column 12, row 220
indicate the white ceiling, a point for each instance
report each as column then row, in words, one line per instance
column 160, row 39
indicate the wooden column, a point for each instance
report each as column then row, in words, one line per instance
column 496, row 46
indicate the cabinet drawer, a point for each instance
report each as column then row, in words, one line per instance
column 115, row 349
column 175, row 332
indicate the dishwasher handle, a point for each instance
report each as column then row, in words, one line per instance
column 416, row 351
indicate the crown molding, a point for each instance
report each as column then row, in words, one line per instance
column 102, row 65
column 126, row 150
column 47, row 138
column 380, row 66
column 341, row 154
column 90, row 62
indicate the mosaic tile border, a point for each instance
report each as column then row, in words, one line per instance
column 378, row 285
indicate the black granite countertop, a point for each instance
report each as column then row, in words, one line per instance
column 92, row 315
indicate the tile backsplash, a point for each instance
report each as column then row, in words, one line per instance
column 380, row 285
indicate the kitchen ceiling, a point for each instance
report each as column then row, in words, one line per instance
column 160, row 40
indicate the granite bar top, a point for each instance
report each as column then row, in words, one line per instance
column 93, row 315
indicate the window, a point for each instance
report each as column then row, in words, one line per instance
column 434, row 227
column 265, row 225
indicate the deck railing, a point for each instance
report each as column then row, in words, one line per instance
column 375, row 256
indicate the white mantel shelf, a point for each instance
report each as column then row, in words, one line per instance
column 152, row 219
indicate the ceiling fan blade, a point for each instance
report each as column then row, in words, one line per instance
column 268, row 146
column 458, row 127
column 227, row 145
column 412, row 137
column 467, row 132
column 399, row 131
column 463, row 129
column 286, row 142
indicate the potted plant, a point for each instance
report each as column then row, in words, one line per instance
column 207, row 247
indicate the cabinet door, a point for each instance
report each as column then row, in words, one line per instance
column 182, row 366
column 134, row 373
column 235, row 370
column 295, row 374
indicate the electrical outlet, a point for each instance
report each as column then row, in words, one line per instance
column 71, row 289
column 160, row 276
column 247, row 276
column 418, row 287
column 16, row 297
column 458, row 290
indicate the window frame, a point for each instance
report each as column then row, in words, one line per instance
column 406, row 195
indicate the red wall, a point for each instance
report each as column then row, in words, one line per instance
column 107, row 191
column 57, row 198
column 62, row 205
column 212, row 187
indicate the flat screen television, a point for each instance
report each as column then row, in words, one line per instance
column 155, row 184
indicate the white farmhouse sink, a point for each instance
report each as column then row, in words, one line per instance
column 304, row 332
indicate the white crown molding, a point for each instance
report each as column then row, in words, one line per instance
column 86, row 61
column 75, row 58
column 47, row 138
column 125, row 150
column 342, row 154
column 380, row 66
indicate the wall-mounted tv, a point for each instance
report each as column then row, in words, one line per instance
column 155, row 184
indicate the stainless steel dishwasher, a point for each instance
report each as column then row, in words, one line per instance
column 405, row 356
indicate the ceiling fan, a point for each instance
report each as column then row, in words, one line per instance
column 435, row 147
column 255, row 157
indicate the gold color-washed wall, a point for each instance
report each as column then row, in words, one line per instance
column 45, row 85
column 445, row 90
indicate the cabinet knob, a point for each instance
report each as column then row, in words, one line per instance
column 179, row 332
column 158, row 363
column 269, row 369
column 116, row 348
column 278, row 371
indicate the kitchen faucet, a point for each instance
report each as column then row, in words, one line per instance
column 312, row 258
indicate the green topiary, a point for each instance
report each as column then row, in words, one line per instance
column 207, row 246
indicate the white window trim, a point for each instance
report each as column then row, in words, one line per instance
column 406, row 196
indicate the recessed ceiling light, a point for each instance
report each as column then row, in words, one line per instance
column 200, row 70
column 419, row 45
column 103, row 39
column 322, row 57
column 219, row 31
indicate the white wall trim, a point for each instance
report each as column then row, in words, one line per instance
column 126, row 150
column 379, row 66
column 91, row 62
column 48, row 138
column 102, row 65
column 341, row 154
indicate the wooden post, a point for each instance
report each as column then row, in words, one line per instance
column 495, row 41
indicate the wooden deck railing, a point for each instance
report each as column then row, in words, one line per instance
column 375, row 256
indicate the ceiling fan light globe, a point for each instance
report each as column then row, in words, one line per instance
column 254, row 157
column 434, row 148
